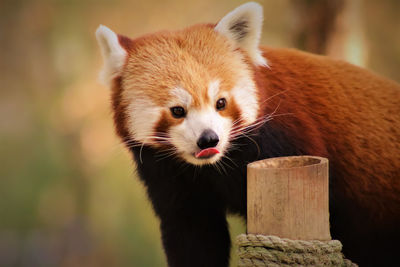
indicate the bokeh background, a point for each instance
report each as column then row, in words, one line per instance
column 69, row 195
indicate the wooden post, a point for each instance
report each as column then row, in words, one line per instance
column 288, row 197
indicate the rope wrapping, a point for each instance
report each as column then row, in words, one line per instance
column 272, row 251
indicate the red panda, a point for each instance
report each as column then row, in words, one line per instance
column 195, row 106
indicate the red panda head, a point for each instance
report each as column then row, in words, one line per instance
column 187, row 91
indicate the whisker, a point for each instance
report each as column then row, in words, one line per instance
column 269, row 98
column 168, row 151
column 226, row 163
column 222, row 167
column 258, row 147
column 237, row 131
column 140, row 153
column 247, row 129
column 167, row 156
column 282, row 114
column 215, row 165
column 276, row 109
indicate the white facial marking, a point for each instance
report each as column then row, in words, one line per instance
column 143, row 115
column 213, row 90
column 113, row 53
column 245, row 94
column 243, row 26
column 185, row 135
column 181, row 97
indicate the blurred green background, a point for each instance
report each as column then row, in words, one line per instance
column 68, row 188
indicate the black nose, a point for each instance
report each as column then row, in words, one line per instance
column 207, row 139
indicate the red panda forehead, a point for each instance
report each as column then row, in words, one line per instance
column 190, row 59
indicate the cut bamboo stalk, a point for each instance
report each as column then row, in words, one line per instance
column 288, row 197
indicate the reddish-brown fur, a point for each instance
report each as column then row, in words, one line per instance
column 119, row 109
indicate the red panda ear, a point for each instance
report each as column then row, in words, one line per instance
column 114, row 55
column 243, row 25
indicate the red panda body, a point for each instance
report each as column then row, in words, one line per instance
column 352, row 117
column 185, row 103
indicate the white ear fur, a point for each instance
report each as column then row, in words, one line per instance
column 243, row 25
column 113, row 53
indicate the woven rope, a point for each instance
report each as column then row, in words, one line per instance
column 271, row 251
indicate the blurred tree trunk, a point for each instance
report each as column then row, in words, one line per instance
column 330, row 27
column 314, row 23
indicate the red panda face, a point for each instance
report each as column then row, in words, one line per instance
column 184, row 93
column 178, row 86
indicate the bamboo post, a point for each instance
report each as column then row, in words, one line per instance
column 288, row 197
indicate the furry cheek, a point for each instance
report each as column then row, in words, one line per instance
column 142, row 115
column 245, row 93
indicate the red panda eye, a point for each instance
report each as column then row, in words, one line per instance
column 221, row 103
column 178, row 112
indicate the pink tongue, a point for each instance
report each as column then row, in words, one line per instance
column 207, row 152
